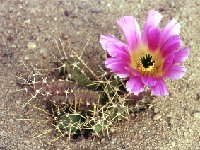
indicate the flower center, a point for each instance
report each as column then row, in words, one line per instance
column 147, row 63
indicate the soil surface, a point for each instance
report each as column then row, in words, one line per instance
column 29, row 30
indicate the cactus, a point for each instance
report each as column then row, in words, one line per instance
column 81, row 101
column 70, row 122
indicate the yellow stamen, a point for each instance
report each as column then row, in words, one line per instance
column 146, row 62
column 146, row 69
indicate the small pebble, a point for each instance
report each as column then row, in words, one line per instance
column 113, row 141
column 11, row 120
column 105, row 147
column 198, row 96
column 20, row 6
column 14, row 46
column 27, row 21
column 103, row 140
column 2, row 105
column 190, row 130
column 18, row 14
column 26, row 2
column 197, row 115
column 112, row 130
column 157, row 117
column 27, row 142
column 31, row 45
column 156, row 110
column 173, row 4
column 95, row 10
column 55, row 19
column 173, row 144
column 132, row 114
column 161, row 9
column 26, row 57
column 18, row 102
column 25, row 128
column 67, row 13
column 104, row 56
column 108, row 4
column 44, row 53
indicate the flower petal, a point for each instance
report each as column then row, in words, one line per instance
column 168, row 60
column 117, row 66
column 160, row 88
column 131, row 31
column 175, row 72
column 149, row 80
column 114, row 47
column 135, row 85
column 153, row 19
column 172, row 44
column 153, row 38
column 172, row 28
column 132, row 71
column 181, row 55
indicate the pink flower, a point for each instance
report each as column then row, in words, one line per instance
column 146, row 58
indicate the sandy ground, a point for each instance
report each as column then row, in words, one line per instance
column 173, row 123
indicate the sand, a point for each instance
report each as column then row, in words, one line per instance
column 28, row 31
